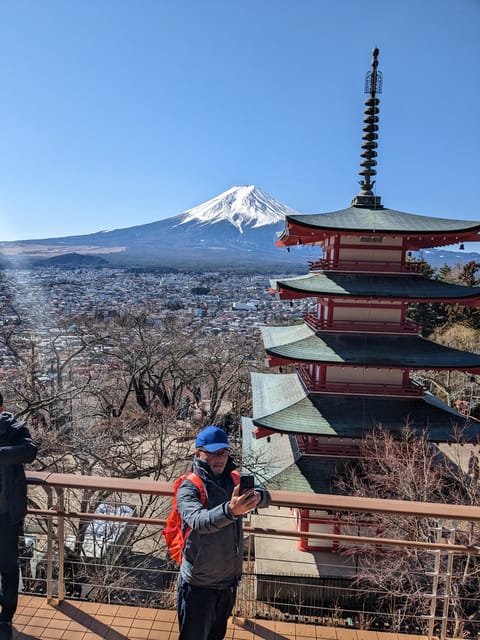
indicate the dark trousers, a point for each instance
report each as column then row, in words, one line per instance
column 203, row 613
column 9, row 567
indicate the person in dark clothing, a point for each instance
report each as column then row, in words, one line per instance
column 16, row 448
column 212, row 556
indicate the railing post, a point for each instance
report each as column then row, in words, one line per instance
column 49, row 576
column 436, row 577
column 61, row 543
column 448, row 588
column 435, row 596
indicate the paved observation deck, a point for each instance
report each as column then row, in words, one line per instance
column 72, row 620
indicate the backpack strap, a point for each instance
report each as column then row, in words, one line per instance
column 192, row 476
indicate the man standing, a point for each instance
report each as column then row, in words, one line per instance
column 212, row 556
column 16, row 448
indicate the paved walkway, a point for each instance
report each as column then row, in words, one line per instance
column 75, row 620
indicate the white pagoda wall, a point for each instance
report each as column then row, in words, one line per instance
column 361, row 375
column 372, row 255
column 367, row 314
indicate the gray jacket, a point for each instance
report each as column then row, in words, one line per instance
column 213, row 552
column 16, row 448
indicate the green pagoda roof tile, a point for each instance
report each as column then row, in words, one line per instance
column 310, row 474
column 408, row 287
column 272, row 392
column 381, row 220
column 268, row 457
column 285, row 406
column 299, row 343
column 282, row 466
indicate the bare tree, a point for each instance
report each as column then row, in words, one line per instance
column 412, row 468
column 103, row 396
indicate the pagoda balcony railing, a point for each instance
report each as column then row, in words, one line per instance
column 355, row 326
column 309, row 444
column 373, row 266
column 122, row 560
column 359, row 388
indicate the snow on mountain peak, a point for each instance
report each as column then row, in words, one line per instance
column 241, row 206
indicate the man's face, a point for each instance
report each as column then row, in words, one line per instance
column 217, row 461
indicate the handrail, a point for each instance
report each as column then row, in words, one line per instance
column 108, row 483
column 279, row 498
column 280, row 533
column 314, row 501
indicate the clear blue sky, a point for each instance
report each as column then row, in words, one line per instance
column 122, row 112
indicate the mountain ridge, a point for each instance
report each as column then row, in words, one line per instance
column 237, row 228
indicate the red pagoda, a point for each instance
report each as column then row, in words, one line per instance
column 351, row 359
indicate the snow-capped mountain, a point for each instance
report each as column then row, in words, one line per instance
column 236, row 228
column 241, row 206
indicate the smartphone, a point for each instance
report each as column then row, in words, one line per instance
column 246, row 482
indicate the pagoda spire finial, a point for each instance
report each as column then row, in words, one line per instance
column 373, row 86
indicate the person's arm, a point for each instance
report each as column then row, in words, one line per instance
column 20, row 450
column 263, row 497
column 196, row 515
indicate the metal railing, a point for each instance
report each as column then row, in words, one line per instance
column 98, row 538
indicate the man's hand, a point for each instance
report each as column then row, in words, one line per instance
column 240, row 504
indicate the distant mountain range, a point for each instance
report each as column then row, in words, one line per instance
column 236, row 229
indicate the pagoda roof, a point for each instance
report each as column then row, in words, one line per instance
column 362, row 219
column 281, row 403
column 298, row 343
column 363, row 285
column 310, row 474
column 285, row 468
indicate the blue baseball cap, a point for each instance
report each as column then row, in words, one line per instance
column 212, row 439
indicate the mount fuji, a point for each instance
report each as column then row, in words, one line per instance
column 237, row 228
column 234, row 230
column 242, row 207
